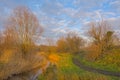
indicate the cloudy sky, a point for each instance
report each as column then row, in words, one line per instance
column 58, row 17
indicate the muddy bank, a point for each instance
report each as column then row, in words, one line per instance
column 29, row 75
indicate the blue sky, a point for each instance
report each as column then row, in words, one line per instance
column 58, row 17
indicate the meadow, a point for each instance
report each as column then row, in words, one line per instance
column 65, row 69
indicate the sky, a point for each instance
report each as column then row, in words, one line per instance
column 58, row 17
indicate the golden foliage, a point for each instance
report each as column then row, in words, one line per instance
column 6, row 56
column 54, row 58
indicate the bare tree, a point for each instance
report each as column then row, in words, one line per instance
column 21, row 31
column 98, row 30
column 51, row 46
column 71, row 43
column 1, row 40
column 102, row 36
column 62, row 45
column 74, row 42
column 24, row 26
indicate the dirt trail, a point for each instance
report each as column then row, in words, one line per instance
column 91, row 69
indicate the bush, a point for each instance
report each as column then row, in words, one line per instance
column 71, row 43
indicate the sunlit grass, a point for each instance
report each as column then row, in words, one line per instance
column 66, row 70
column 109, row 62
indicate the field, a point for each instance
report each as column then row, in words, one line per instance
column 110, row 61
column 64, row 69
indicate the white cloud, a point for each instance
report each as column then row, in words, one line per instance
column 58, row 19
column 115, row 2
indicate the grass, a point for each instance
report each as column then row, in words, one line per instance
column 66, row 70
column 66, row 65
column 110, row 62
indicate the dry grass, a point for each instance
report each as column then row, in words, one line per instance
column 14, row 63
column 6, row 56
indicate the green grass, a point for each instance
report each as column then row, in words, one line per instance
column 66, row 70
column 110, row 62
column 66, row 65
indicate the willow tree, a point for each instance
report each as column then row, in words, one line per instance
column 25, row 28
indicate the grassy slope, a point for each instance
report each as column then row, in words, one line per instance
column 110, row 62
column 66, row 70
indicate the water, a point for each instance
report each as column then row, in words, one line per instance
column 38, row 72
column 31, row 75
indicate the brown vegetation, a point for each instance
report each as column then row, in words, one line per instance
column 71, row 43
column 103, row 39
column 17, row 43
column 23, row 29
